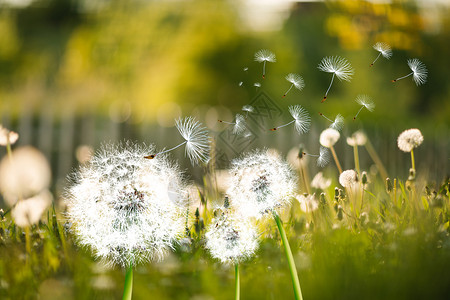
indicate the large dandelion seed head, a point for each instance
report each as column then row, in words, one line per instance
column 337, row 65
column 231, row 240
column 409, row 139
column 296, row 80
column 302, row 118
column 366, row 101
column 265, row 55
column 329, row 137
column 197, row 140
column 420, row 72
column 260, row 182
column 125, row 208
column 348, row 178
column 384, row 49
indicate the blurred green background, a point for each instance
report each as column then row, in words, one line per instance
column 84, row 72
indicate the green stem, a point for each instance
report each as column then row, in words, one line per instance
column 128, row 288
column 290, row 258
column 356, row 156
column 236, row 282
column 373, row 154
column 412, row 160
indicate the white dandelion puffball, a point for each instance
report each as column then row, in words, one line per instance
column 329, row 137
column 409, row 139
column 29, row 211
column 420, row 72
column 358, row 138
column 25, row 175
column 308, row 203
column 384, row 49
column 260, row 182
column 348, row 178
column 320, row 182
column 231, row 240
column 7, row 136
column 125, row 208
column 338, row 66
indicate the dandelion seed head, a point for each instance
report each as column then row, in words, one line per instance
column 358, row 138
column 348, row 178
column 320, row 182
column 337, row 65
column 29, row 211
column 384, row 49
column 197, row 140
column 239, row 124
column 260, row 182
column 308, row 203
column 420, row 72
column 409, row 139
column 302, row 118
column 338, row 122
column 329, row 137
column 324, row 157
column 26, row 175
column 7, row 136
column 248, row 108
column 296, row 80
column 231, row 240
column 125, row 208
column 265, row 55
column 365, row 101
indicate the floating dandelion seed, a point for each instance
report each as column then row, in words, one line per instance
column 196, row 140
column 338, row 122
column 257, row 85
column 241, row 83
column 128, row 210
column 260, row 182
column 245, row 69
column 301, row 118
column 248, row 109
column 264, row 56
column 419, row 71
column 296, row 81
column 365, row 102
column 231, row 240
column 323, row 158
column 340, row 68
column 384, row 50
column 238, row 124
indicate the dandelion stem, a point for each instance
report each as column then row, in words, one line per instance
column 336, row 159
column 356, row 156
column 375, row 59
column 290, row 258
column 331, row 83
column 264, row 70
column 288, row 90
column 128, row 288
column 373, row 154
column 303, row 174
column 413, row 164
column 28, row 240
column 403, row 77
column 237, row 294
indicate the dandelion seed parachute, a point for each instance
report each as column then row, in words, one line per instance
column 296, row 81
column 302, row 120
column 366, row 102
column 337, row 123
column 339, row 67
column 264, row 56
column 419, row 72
column 127, row 209
column 384, row 49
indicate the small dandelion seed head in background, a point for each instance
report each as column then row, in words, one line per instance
column 197, row 139
column 241, row 83
column 248, row 108
column 420, row 72
column 265, row 55
column 296, row 80
column 365, row 101
column 127, row 209
column 409, row 139
column 358, row 138
column 320, row 182
column 338, row 122
column 384, row 49
column 239, row 124
column 260, row 181
column 29, row 211
column 231, row 240
column 7, row 136
column 324, row 157
column 308, row 203
column 302, row 118
column 329, row 137
column 337, row 65
column 348, row 178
